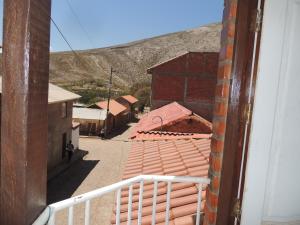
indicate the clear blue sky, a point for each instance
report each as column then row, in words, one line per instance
column 110, row 22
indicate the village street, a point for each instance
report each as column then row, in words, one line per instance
column 102, row 166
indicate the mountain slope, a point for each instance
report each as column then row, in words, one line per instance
column 130, row 60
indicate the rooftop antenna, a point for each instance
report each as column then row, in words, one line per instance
column 161, row 121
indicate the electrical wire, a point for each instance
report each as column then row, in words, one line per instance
column 80, row 24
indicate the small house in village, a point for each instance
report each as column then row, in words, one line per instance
column 189, row 79
column 117, row 116
column 60, row 107
column 91, row 120
column 129, row 102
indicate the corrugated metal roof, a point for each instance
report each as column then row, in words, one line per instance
column 89, row 114
column 164, row 135
column 56, row 94
column 172, row 157
column 130, row 99
column 167, row 113
column 115, row 108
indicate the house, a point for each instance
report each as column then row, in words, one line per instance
column 117, row 116
column 60, row 107
column 129, row 102
column 172, row 117
column 254, row 153
column 91, row 120
column 189, row 79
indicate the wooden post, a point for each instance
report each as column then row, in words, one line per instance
column 24, row 127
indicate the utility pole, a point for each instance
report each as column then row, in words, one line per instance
column 108, row 100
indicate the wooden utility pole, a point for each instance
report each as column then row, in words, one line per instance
column 24, row 119
column 108, row 100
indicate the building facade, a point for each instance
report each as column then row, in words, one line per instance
column 189, row 79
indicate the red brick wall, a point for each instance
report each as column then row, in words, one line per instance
column 220, row 110
column 189, row 79
column 168, row 87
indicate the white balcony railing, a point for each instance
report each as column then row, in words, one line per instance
column 48, row 215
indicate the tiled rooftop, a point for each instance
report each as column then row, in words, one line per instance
column 130, row 99
column 169, row 114
column 115, row 108
column 165, row 135
column 177, row 157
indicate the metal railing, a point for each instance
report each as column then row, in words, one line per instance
column 48, row 215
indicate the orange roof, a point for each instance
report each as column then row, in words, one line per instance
column 165, row 135
column 130, row 99
column 115, row 108
column 169, row 114
column 172, row 157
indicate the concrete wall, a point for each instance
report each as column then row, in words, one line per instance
column 189, row 79
column 75, row 137
column 57, row 126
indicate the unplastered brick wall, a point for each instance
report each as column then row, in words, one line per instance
column 220, row 109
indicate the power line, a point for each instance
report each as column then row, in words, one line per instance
column 63, row 36
column 79, row 22
column 68, row 43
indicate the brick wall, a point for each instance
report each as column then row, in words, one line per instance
column 220, row 110
column 189, row 79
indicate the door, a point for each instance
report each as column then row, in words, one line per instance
column 272, row 181
column 64, row 144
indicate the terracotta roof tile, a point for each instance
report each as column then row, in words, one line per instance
column 168, row 113
column 165, row 135
column 185, row 157
column 130, row 99
column 115, row 108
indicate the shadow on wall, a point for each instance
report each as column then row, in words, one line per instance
column 64, row 185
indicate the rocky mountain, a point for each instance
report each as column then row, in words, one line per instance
column 130, row 61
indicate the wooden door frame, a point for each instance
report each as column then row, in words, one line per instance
column 237, row 109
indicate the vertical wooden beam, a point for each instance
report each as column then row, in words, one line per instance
column 24, row 127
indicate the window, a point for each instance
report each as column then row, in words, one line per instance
column 64, row 110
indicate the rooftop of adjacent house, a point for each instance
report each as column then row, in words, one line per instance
column 130, row 99
column 56, row 94
column 115, row 108
column 165, row 116
column 177, row 157
column 165, row 135
column 89, row 114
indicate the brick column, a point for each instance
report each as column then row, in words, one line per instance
column 220, row 110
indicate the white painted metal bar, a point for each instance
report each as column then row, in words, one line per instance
column 168, row 203
column 154, row 203
column 70, row 216
column 87, row 212
column 199, row 203
column 118, row 207
column 43, row 218
column 175, row 179
column 52, row 219
column 93, row 194
column 49, row 213
column 140, row 202
column 129, row 205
